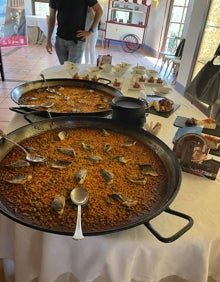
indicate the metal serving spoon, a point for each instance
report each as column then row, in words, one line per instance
column 79, row 196
column 43, row 105
column 50, row 90
column 29, row 157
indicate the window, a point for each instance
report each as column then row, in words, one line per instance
column 175, row 24
column 40, row 7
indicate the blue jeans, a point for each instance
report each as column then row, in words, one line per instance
column 68, row 50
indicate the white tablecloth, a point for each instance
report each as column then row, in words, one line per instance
column 40, row 22
column 134, row 253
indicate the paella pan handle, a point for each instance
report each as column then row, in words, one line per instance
column 178, row 234
column 101, row 79
column 21, row 110
column 27, row 115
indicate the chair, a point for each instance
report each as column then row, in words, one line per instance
column 175, row 64
column 167, row 56
column 174, row 60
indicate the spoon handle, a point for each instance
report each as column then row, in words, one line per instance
column 16, row 144
column 78, row 231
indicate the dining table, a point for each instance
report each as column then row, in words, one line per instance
column 40, row 22
column 134, row 254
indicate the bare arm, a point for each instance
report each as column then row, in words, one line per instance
column 98, row 14
column 51, row 24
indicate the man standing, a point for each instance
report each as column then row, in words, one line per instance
column 71, row 33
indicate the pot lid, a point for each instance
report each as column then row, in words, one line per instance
column 128, row 103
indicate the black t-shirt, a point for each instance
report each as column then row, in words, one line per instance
column 71, row 16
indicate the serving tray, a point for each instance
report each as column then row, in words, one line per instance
column 151, row 110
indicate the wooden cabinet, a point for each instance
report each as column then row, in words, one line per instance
column 126, row 18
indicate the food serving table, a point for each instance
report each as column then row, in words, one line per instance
column 134, row 253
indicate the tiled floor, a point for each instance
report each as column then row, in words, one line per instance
column 20, row 64
column 25, row 63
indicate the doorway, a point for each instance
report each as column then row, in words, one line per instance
column 174, row 26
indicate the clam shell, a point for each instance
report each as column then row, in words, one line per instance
column 123, row 200
column 60, row 164
column 105, row 132
column 147, row 169
column 101, row 106
column 67, row 151
column 122, row 159
column 22, row 179
column 58, row 204
column 107, row 147
column 94, row 158
column 141, row 181
column 62, row 135
column 81, row 176
column 107, row 175
column 76, row 110
column 87, row 147
column 128, row 144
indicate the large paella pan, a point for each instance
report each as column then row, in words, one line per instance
column 65, row 97
column 143, row 176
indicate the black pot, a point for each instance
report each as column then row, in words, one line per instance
column 129, row 110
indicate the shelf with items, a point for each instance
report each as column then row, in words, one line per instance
column 125, row 18
column 128, row 23
column 126, row 10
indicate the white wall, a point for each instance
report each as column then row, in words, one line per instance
column 28, row 8
column 155, row 26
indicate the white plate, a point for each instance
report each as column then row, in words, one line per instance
column 56, row 72
column 162, row 90
column 151, row 73
column 154, row 84
column 119, row 68
column 124, row 64
column 134, row 88
column 138, row 72
column 136, row 77
column 139, row 68
column 93, row 69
